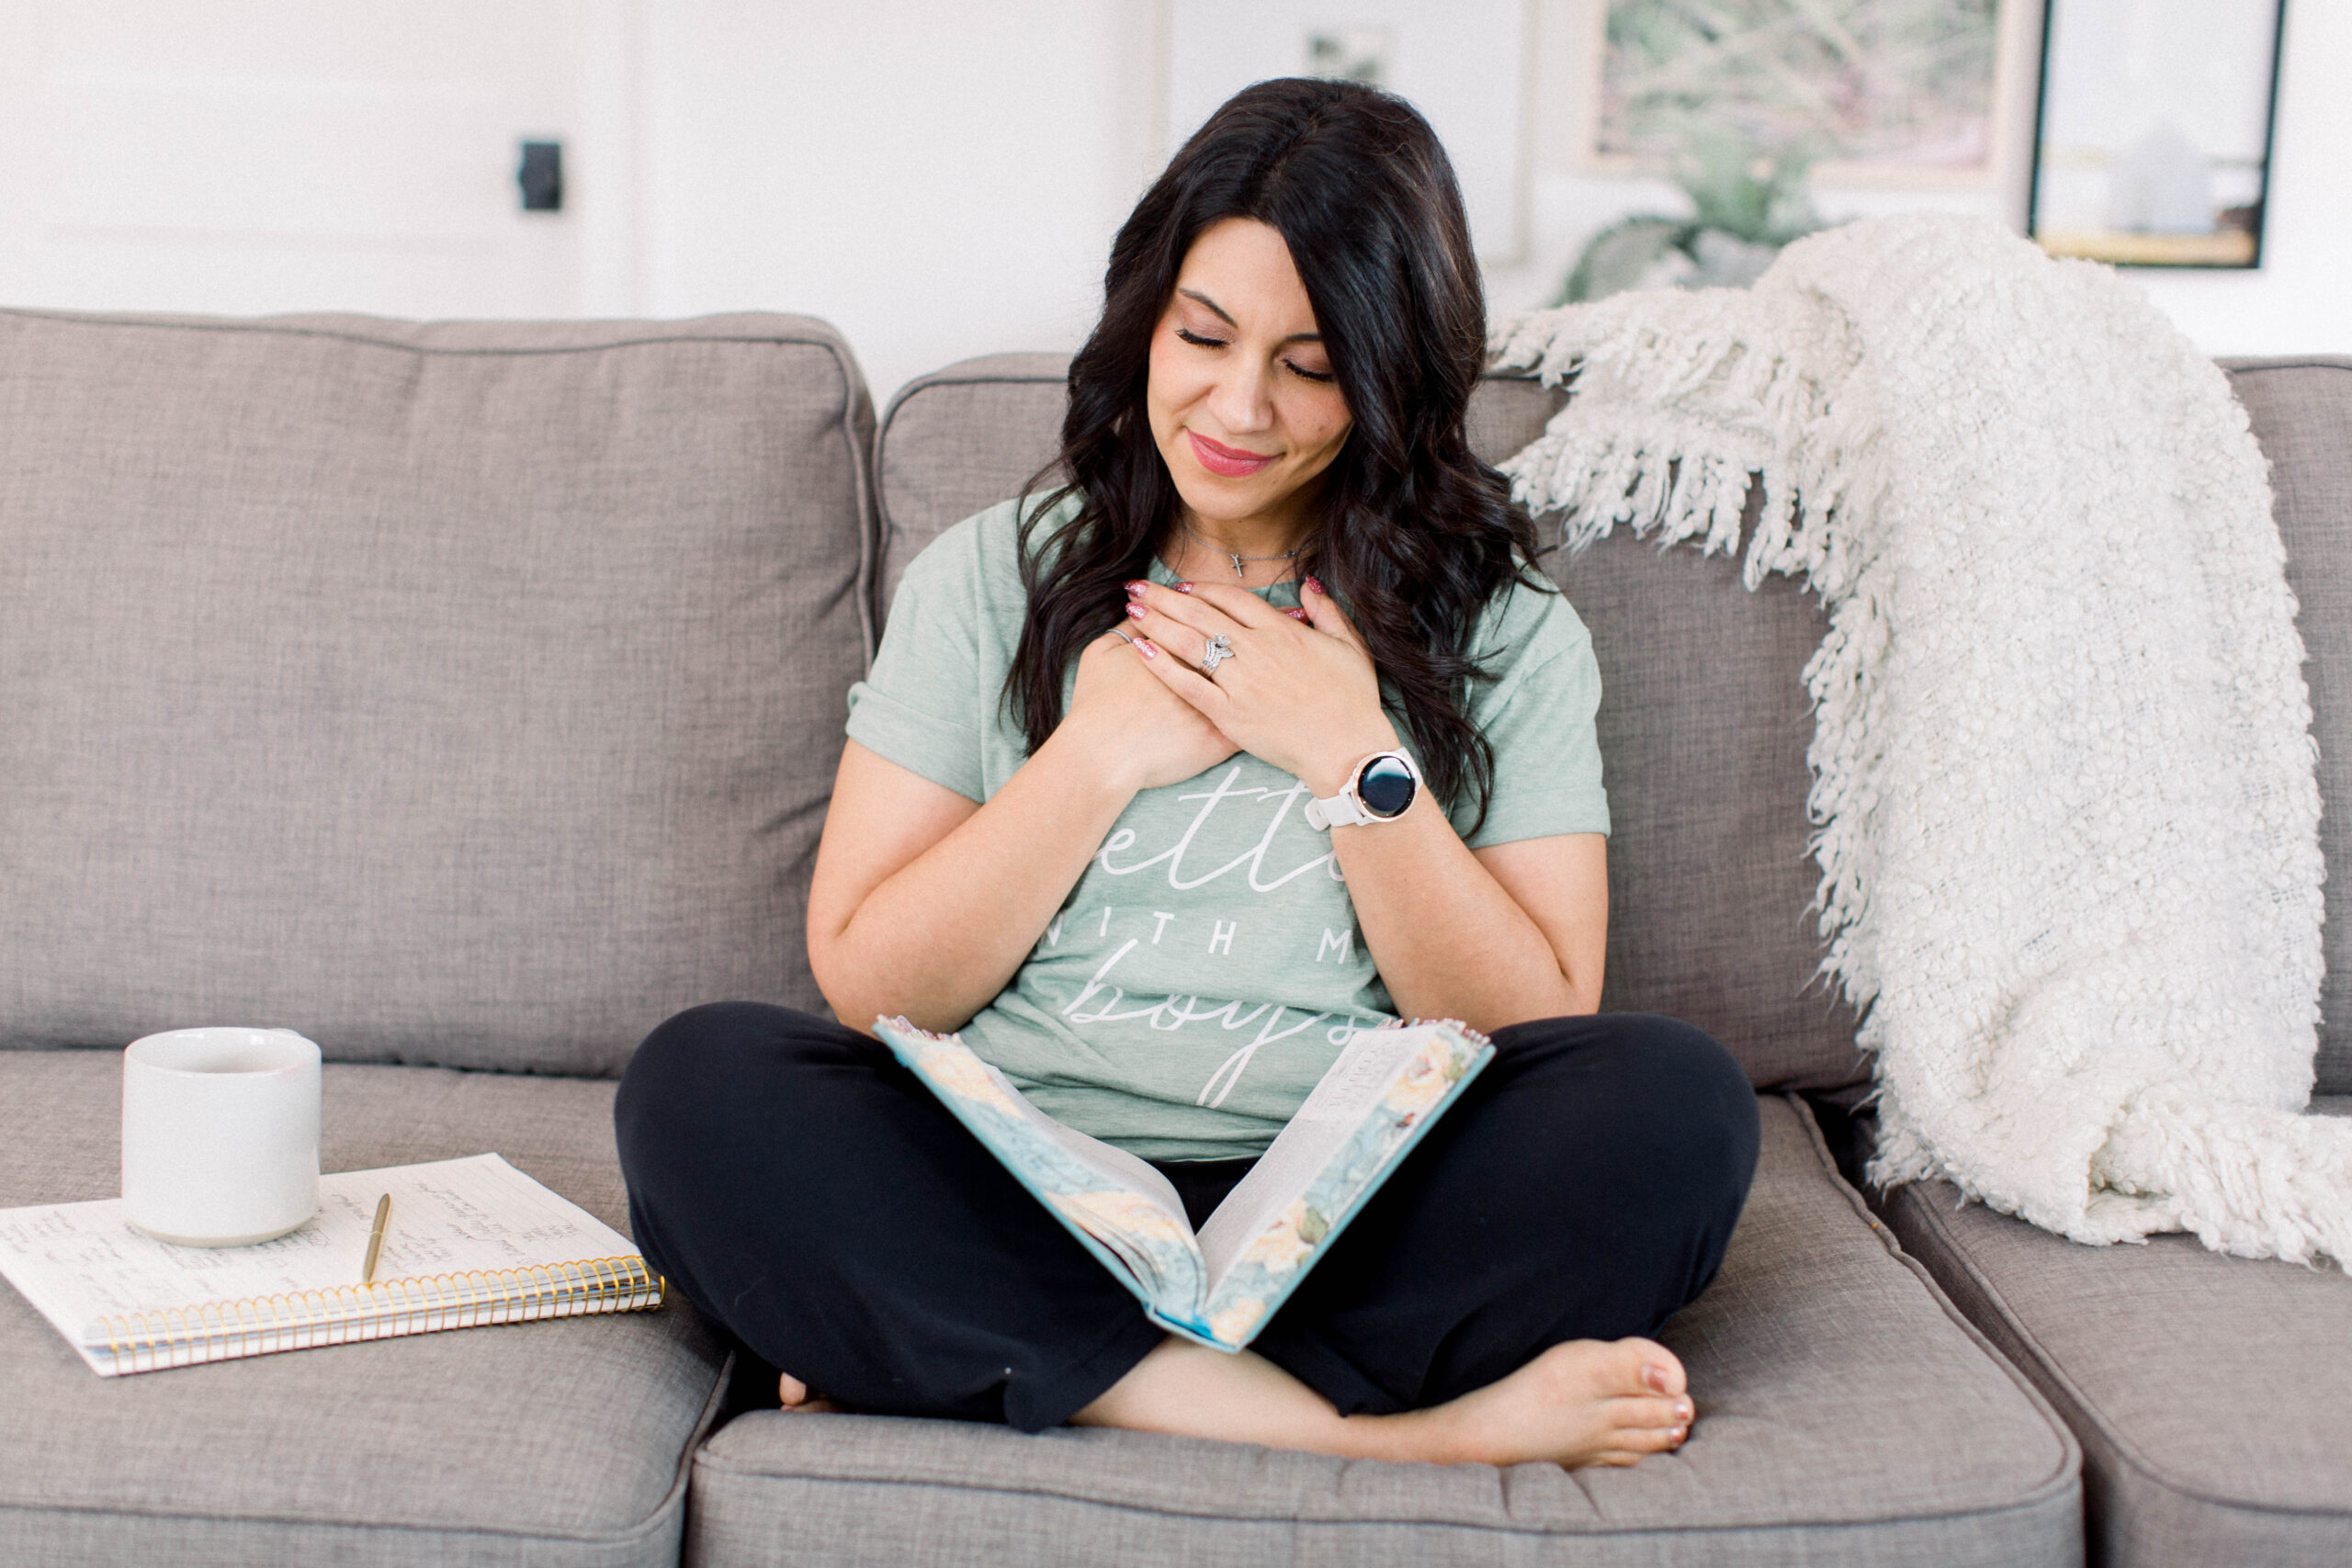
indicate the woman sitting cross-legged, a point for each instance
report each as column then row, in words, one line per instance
column 1071, row 822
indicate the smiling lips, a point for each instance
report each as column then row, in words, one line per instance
column 1228, row 462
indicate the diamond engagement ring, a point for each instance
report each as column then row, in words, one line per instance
column 1220, row 650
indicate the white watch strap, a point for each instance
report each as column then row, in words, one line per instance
column 1342, row 810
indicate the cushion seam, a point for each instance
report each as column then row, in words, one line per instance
column 654, row 1520
column 262, row 327
column 865, row 492
column 636, row 1533
column 2070, row 1457
column 941, row 378
column 2092, row 1415
column 2238, row 364
column 2039, row 1497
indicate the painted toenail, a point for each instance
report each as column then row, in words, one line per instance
column 1678, row 1435
column 1655, row 1377
column 1682, row 1410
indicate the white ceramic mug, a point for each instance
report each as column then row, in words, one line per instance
column 219, row 1134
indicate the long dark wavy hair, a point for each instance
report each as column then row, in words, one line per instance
column 1416, row 534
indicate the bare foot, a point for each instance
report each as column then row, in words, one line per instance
column 796, row 1397
column 1579, row 1403
column 1582, row 1403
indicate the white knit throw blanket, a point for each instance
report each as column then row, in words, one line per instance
column 2064, row 785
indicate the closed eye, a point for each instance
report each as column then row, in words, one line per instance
column 1198, row 340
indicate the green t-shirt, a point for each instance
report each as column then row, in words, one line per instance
column 1206, row 969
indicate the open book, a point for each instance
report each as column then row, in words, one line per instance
column 470, row 1241
column 1222, row 1286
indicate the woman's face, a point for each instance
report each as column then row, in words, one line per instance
column 1241, row 397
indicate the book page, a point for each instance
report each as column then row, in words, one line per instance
column 1114, row 1165
column 1298, row 1154
column 1388, row 1089
column 81, row 1263
column 1119, row 1200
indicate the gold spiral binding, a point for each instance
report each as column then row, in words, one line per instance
column 1460, row 1028
column 337, row 1315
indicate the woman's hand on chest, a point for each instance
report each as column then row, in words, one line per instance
column 1142, row 734
column 1293, row 688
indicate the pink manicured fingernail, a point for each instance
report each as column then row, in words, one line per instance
column 1136, row 610
column 1313, row 585
column 1135, row 590
column 1143, row 645
column 1295, row 615
column 1183, row 588
column 1654, row 1376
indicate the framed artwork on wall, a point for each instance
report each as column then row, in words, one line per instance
column 2153, row 144
column 1870, row 92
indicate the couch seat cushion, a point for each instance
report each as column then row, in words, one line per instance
column 2212, row 1394
column 547, row 1443
column 1846, row 1416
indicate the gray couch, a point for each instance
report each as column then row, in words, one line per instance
column 467, row 697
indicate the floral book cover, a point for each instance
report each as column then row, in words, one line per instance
column 1223, row 1285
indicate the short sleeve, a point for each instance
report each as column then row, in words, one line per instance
column 918, row 707
column 1537, row 714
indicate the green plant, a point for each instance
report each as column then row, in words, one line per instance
column 1759, row 201
column 1744, row 209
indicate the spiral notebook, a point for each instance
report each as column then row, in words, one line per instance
column 471, row 1242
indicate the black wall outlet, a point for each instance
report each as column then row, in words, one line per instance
column 541, row 176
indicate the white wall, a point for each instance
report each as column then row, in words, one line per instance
column 939, row 179
column 936, row 179
column 252, row 156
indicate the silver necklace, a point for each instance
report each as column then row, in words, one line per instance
column 1238, row 561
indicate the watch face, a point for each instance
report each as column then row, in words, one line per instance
column 1385, row 786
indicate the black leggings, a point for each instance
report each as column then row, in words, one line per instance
column 807, row 1192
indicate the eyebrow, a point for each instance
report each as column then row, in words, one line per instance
column 1198, row 298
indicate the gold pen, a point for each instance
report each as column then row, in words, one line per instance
column 376, row 1239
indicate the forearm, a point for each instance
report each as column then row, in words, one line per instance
column 1449, row 939
column 941, row 937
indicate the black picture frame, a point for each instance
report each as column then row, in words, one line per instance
column 2054, row 219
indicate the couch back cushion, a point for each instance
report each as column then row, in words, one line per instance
column 981, row 428
column 2301, row 413
column 463, row 694
column 1703, row 721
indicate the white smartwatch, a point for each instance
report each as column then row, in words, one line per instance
column 1379, row 789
